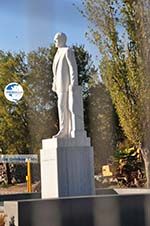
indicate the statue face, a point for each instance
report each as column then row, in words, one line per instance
column 57, row 41
column 60, row 40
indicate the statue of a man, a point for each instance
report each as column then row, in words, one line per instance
column 65, row 79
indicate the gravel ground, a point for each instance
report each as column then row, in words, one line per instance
column 17, row 188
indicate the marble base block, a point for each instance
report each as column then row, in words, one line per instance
column 67, row 167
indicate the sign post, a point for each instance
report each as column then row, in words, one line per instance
column 28, row 177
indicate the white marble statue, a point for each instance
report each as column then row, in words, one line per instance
column 70, row 147
column 65, row 79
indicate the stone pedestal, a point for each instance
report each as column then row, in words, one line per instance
column 67, row 167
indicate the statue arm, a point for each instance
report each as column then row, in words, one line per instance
column 72, row 67
column 54, row 79
column 54, row 85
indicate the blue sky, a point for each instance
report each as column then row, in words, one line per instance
column 28, row 24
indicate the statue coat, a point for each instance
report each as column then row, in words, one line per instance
column 64, row 70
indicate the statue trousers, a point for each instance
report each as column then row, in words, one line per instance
column 64, row 113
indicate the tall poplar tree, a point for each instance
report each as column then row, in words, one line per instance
column 120, row 31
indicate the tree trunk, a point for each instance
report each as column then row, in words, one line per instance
column 146, row 157
column 8, row 173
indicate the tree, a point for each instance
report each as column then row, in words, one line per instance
column 13, row 116
column 101, row 124
column 86, row 69
column 14, row 132
column 123, row 66
column 41, row 102
column 138, row 12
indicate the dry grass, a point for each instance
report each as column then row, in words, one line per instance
column 2, row 220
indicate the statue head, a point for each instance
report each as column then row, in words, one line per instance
column 60, row 40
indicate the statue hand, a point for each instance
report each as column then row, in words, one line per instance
column 53, row 88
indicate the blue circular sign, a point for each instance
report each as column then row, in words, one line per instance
column 13, row 92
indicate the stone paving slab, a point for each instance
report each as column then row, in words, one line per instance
column 122, row 191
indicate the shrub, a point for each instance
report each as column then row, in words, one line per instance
column 129, row 167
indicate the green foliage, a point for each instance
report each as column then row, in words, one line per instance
column 42, row 112
column 14, row 133
column 114, row 29
column 86, row 69
column 127, row 154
